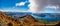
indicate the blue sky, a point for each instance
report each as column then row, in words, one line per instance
column 9, row 4
column 34, row 6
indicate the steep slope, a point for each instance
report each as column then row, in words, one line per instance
column 6, row 20
column 27, row 20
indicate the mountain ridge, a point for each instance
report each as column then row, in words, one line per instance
column 26, row 20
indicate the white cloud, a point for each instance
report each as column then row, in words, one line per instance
column 15, row 10
column 20, row 4
column 37, row 5
column 53, row 7
column 55, row 3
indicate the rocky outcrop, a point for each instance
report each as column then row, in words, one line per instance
column 6, row 20
column 58, row 23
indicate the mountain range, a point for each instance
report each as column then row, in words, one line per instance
column 26, row 20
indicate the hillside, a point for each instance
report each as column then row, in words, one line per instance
column 26, row 20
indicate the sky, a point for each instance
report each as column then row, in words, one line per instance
column 14, row 5
column 34, row 6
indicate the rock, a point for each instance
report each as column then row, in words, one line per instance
column 58, row 24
